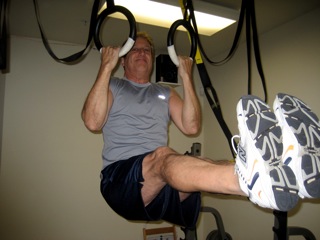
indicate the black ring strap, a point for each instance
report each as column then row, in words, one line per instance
column 132, row 35
column 170, row 40
column 3, row 35
column 94, row 28
column 76, row 56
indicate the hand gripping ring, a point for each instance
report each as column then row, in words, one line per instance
column 170, row 42
column 132, row 35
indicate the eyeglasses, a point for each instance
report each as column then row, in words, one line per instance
column 145, row 50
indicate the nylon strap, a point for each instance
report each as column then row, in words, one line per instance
column 3, row 35
column 247, row 13
column 211, row 94
column 78, row 55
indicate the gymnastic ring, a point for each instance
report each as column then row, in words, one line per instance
column 170, row 41
column 132, row 35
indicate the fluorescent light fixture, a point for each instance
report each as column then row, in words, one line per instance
column 163, row 13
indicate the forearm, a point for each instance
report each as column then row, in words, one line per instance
column 99, row 100
column 191, row 112
column 95, row 109
column 186, row 112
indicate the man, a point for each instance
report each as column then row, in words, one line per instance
column 142, row 178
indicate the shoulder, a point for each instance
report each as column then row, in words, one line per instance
column 117, row 83
column 162, row 88
column 114, row 81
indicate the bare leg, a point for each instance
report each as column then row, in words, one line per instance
column 186, row 174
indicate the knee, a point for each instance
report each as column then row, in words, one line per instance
column 163, row 158
column 162, row 153
column 158, row 157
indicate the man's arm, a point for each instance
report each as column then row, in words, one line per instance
column 185, row 112
column 96, row 107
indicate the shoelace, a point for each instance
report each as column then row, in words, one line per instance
column 233, row 142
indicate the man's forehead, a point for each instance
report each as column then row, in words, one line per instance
column 141, row 41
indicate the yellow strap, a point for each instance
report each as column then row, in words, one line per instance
column 198, row 57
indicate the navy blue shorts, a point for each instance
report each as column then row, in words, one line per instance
column 121, row 188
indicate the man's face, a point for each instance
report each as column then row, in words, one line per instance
column 139, row 59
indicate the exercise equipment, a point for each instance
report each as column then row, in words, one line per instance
column 282, row 231
column 170, row 40
column 94, row 30
column 212, row 97
column 220, row 233
column 111, row 8
column 247, row 13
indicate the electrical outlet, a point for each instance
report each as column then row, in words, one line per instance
column 196, row 149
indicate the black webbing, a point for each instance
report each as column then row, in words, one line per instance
column 235, row 41
column 209, row 90
column 248, row 43
column 214, row 103
column 79, row 54
column 247, row 13
column 3, row 35
column 257, row 48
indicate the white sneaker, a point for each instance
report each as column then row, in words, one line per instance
column 301, row 142
column 262, row 176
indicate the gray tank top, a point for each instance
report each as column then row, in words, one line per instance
column 138, row 120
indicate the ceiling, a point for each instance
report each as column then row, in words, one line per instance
column 68, row 21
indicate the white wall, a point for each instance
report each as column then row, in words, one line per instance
column 49, row 179
column 291, row 60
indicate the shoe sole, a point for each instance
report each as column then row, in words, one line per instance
column 305, row 128
column 266, row 135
